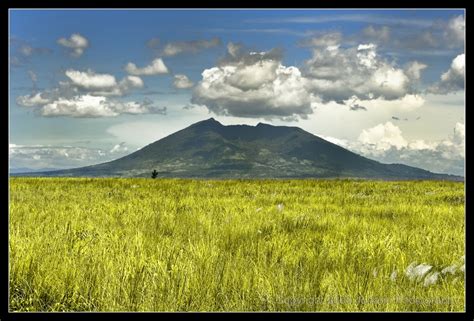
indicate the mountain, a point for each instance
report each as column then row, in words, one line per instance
column 208, row 149
column 17, row 170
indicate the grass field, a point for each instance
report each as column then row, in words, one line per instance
column 203, row 245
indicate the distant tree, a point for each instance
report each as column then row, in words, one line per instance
column 154, row 174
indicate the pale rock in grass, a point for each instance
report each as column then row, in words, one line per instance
column 374, row 272
column 393, row 276
column 280, row 207
column 431, row 279
column 462, row 268
column 414, row 271
column 449, row 269
column 258, row 209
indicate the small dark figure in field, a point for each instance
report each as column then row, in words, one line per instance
column 154, row 174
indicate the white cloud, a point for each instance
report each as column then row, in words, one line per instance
column 414, row 69
column 182, row 82
column 32, row 100
column 86, row 95
column 254, row 76
column 40, row 157
column 134, row 81
column 156, row 67
column 386, row 143
column 119, row 148
column 123, row 87
column 258, row 85
column 404, row 104
column 254, row 85
column 91, row 80
column 80, row 106
column 455, row 30
column 137, row 108
column 233, row 49
column 175, row 48
column 382, row 137
column 76, row 43
column 85, row 83
column 87, row 106
column 453, row 79
column 338, row 74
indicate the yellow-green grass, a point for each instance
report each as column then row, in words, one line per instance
column 80, row 244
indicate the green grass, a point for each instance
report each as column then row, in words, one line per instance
column 230, row 245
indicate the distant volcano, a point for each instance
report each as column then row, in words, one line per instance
column 208, row 149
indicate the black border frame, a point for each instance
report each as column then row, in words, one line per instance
column 213, row 4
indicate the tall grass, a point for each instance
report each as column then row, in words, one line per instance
column 81, row 244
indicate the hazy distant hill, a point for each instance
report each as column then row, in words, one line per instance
column 208, row 149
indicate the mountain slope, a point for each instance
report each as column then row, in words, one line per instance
column 210, row 149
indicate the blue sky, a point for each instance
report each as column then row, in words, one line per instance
column 88, row 86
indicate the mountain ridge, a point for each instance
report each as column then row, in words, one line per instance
column 208, row 149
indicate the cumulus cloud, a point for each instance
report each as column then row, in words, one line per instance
column 337, row 74
column 385, row 142
column 257, row 84
column 32, row 100
column 123, row 87
column 91, row 80
column 86, row 106
column 175, row 48
column 254, row 84
column 76, row 43
column 453, row 79
column 382, row 137
column 85, row 82
column 86, row 94
column 156, row 67
column 182, row 82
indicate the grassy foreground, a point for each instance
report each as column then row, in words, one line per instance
column 200, row 245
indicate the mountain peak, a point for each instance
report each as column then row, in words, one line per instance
column 210, row 122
